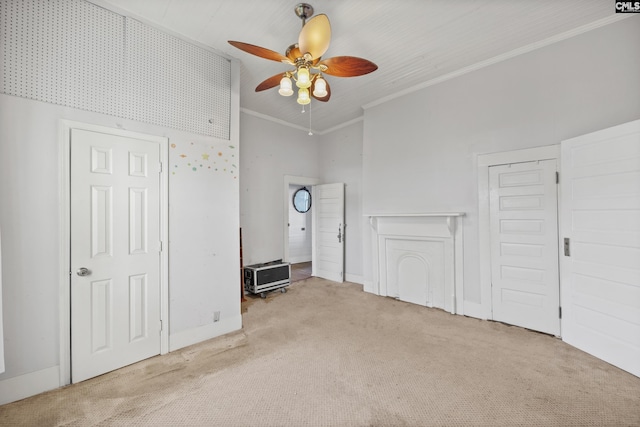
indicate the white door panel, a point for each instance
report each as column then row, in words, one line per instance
column 601, row 218
column 524, row 238
column 328, row 231
column 115, row 235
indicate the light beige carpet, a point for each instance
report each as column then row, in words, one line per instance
column 327, row 354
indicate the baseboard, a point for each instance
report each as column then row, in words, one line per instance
column 354, row 278
column 189, row 337
column 30, row 384
column 473, row 309
column 299, row 259
column 367, row 286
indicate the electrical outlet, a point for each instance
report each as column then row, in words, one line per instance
column 216, row 316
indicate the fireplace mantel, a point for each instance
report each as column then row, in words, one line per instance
column 417, row 257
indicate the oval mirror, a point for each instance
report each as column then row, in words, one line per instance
column 302, row 200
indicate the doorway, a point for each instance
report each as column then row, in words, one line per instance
column 518, row 236
column 114, row 290
column 525, row 287
column 298, row 229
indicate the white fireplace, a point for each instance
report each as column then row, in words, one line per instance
column 418, row 258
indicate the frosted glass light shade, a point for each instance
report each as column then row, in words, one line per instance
column 320, row 88
column 303, row 96
column 304, row 79
column 285, row 87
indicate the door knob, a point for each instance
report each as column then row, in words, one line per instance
column 83, row 271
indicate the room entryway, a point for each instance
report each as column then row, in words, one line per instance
column 518, row 224
column 115, row 251
column 300, row 271
column 524, row 245
column 327, row 226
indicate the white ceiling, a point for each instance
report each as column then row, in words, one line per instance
column 414, row 42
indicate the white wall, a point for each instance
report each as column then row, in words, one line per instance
column 203, row 227
column 341, row 161
column 202, row 246
column 419, row 151
column 269, row 151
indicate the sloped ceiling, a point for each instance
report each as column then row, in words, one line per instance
column 414, row 42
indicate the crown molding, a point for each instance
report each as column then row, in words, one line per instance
column 503, row 57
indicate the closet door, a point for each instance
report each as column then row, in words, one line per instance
column 600, row 187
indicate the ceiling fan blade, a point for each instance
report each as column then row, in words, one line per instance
column 324, row 98
column 347, row 66
column 315, row 36
column 272, row 81
column 260, row 51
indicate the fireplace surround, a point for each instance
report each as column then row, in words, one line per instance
column 417, row 258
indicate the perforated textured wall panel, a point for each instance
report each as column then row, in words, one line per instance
column 63, row 52
column 76, row 54
column 189, row 86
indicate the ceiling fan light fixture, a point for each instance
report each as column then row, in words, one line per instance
column 320, row 88
column 303, row 96
column 286, row 88
column 304, row 78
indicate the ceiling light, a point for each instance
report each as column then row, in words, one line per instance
column 285, row 87
column 304, row 78
column 320, row 88
column 305, row 57
column 303, row 96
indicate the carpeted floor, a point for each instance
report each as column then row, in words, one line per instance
column 327, row 354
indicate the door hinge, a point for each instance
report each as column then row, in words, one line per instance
column 160, row 171
column 160, row 246
column 161, row 326
column 567, row 246
column 560, row 312
column 557, row 177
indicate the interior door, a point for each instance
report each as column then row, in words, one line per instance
column 328, row 231
column 600, row 187
column 524, row 245
column 115, row 244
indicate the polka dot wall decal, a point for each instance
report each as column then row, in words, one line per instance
column 183, row 155
column 194, row 169
column 205, row 156
column 173, row 145
column 220, row 153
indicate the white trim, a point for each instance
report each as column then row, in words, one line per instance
column 341, row 125
column 354, row 278
column 30, row 384
column 302, row 128
column 503, row 57
column 65, row 236
column 274, row 120
column 416, row 214
column 206, row 332
column 482, row 309
column 292, row 180
column 434, row 227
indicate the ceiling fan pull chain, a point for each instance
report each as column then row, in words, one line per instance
column 310, row 133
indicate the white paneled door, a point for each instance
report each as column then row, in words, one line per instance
column 601, row 224
column 524, row 245
column 328, row 231
column 115, row 244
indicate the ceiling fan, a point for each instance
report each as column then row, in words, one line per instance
column 306, row 57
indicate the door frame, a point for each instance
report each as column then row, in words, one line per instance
column 484, row 310
column 293, row 180
column 64, row 281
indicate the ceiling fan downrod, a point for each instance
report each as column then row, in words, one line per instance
column 304, row 11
